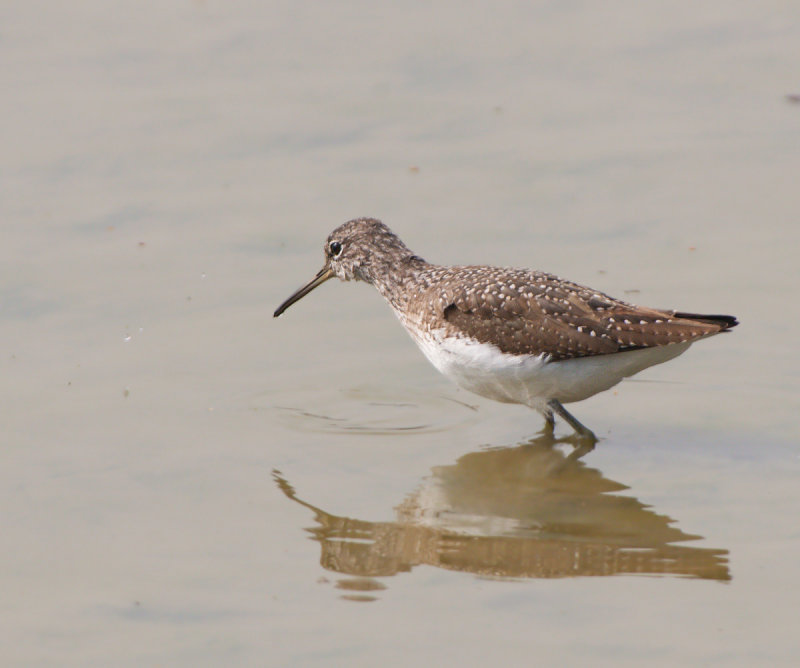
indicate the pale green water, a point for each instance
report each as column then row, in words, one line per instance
column 186, row 481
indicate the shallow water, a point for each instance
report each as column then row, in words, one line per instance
column 187, row 481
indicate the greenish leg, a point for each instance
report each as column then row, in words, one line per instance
column 583, row 432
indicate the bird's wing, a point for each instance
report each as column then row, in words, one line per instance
column 535, row 313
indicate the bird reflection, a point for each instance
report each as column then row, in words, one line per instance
column 516, row 512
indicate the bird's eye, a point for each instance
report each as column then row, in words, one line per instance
column 335, row 247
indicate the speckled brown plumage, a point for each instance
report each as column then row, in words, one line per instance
column 526, row 312
column 521, row 311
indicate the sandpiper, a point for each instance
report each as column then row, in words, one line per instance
column 513, row 335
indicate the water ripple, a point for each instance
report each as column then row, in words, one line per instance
column 367, row 410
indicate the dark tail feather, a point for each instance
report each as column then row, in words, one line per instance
column 723, row 321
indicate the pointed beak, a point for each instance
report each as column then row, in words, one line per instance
column 324, row 274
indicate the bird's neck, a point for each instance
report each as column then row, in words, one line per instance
column 396, row 278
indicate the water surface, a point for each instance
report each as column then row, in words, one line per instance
column 186, row 481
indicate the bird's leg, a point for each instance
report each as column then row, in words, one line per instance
column 554, row 405
column 549, row 422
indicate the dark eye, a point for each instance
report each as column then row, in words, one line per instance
column 336, row 248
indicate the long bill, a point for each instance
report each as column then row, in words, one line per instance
column 323, row 275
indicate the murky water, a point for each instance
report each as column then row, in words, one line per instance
column 186, row 481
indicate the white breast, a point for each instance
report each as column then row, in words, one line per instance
column 531, row 380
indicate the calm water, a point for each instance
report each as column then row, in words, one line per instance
column 186, row 481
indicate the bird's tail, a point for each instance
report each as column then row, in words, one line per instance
column 722, row 321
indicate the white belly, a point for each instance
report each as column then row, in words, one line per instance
column 525, row 379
